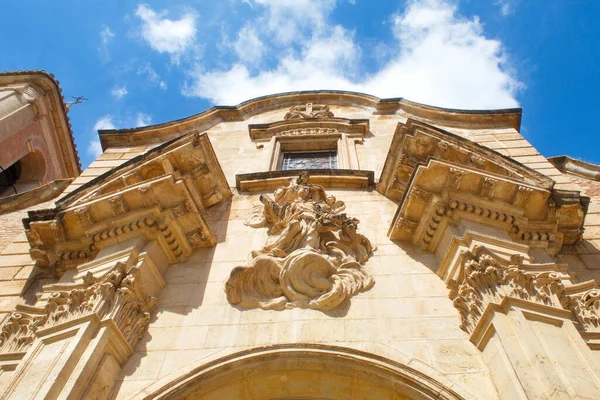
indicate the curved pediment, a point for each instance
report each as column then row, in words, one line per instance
column 470, row 119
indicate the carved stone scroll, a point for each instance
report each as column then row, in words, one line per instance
column 313, row 258
column 309, row 111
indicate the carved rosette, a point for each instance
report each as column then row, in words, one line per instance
column 115, row 296
column 313, row 258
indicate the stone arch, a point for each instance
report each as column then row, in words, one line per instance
column 33, row 166
column 303, row 371
column 24, row 174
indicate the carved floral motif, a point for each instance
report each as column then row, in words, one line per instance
column 19, row 332
column 115, row 296
column 313, row 258
column 484, row 280
column 307, row 131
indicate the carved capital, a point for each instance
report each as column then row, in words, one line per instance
column 116, row 296
column 485, row 279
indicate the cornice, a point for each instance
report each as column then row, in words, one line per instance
column 576, row 167
column 58, row 111
column 161, row 195
column 505, row 118
column 439, row 193
column 415, row 142
column 34, row 196
column 328, row 178
column 356, row 127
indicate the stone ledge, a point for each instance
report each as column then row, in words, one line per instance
column 34, row 196
column 328, row 178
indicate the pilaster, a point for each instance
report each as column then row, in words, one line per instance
column 86, row 325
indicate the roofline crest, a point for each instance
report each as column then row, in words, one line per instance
column 510, row 117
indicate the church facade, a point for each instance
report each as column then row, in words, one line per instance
column 318, row 244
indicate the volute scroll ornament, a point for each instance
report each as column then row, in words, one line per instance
column 313, row 257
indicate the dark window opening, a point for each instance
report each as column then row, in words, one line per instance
column 8, row 178
column 309, row 160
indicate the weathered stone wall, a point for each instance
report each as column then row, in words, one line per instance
column 406, row 315
column 406, row 312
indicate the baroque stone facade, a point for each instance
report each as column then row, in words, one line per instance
column 442, row 258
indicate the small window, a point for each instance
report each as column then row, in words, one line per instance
column 309, row 160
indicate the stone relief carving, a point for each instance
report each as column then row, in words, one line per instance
column 309, row 111
column 116, row 295
column 307, row 131
column 19, row 332
column 313, row 257
column 485, row 279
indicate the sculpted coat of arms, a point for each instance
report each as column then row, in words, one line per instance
column 313, row 257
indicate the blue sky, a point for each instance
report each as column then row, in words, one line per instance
column 143, row 63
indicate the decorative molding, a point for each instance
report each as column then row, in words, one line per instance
column 34, row 196
column 376, row 365
column 415, row 143
column 313, row 258
column 509, row 118
column 484, row 279
column 18, row 332
column 439, row 194
column 160, row 195
column 573, row 166
column 117, row 295
column 307, row 132
column 354, row 128
column 480, row 279
column 49, row 104
column 328, row 178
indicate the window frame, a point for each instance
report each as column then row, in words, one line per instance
column 337, row 141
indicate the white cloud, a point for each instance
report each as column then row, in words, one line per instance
column 286, row 20
column 438, row 57
column 506, row 8
column 153, row 78
column 142, row 119
column 106, row 36
column 94, row 147
column 166, row 35
column 248, row 46
column 107, row 121
column 119, row 92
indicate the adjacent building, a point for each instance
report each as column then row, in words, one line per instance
column 319, row 244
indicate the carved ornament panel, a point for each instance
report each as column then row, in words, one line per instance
column 161, row 195
column 314, row 255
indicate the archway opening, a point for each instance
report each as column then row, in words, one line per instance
column 23, row 175
column 308, row 373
